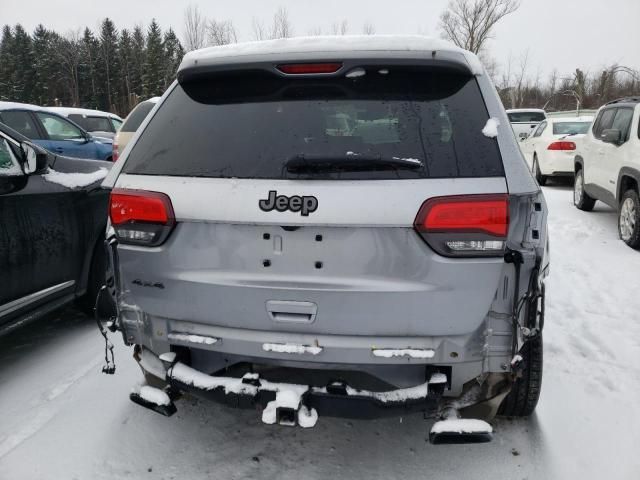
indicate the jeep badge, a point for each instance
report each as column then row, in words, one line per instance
column 304, row 205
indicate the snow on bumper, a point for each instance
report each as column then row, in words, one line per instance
column 307, row 402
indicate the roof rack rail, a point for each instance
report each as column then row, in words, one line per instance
column 624, row 100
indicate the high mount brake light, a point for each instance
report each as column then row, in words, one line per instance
column 140, row 217
column 465, row 225
column 565, row 146
column 309, row 68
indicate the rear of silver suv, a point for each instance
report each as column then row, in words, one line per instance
column 348, row 220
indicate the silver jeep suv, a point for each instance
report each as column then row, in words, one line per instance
column 331, row 226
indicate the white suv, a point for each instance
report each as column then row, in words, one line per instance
column 608, row 167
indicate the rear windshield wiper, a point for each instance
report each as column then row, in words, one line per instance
column 350, row 162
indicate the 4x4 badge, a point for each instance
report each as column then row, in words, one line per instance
column 304, row 205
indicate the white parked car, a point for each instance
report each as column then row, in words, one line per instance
column 96, row 122
column 608, row 166
column 551, row 149
column 524, row 120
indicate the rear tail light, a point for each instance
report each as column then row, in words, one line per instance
column 140, row 217
column 465, row 225
column 114, row 152
column 309, row 68
column 566, row 146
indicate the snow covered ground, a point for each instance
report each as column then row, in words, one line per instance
column 60, row 418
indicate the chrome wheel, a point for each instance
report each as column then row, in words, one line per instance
column 627, row 219
column 578, row 188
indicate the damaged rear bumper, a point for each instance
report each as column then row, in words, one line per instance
column 336, row 399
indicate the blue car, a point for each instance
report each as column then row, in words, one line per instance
column 54, row 132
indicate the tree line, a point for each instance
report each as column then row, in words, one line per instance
column 107, row 70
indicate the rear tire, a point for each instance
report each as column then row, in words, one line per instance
column 581, row 199
column 629, row 219
column 525, row 391
column 542, row 179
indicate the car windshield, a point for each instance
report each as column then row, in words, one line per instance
column 249, row 126
column 570, row 128
column 526, row 117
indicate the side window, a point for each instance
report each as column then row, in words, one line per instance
column 59, row 129
column 604, row 122
column 8, row 161
column 622, row 122
column 540, row 129
column 21, row 122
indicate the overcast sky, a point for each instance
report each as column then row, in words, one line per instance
column 562, row 34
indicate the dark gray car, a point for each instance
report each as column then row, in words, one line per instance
column 264, row 254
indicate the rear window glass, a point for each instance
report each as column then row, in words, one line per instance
column 137, row 116
column 570, row 128
column 253, row 126
column 92, row 124
column 526, row 117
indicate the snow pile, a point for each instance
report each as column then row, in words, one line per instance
column 75, row 180
column 405, row 352
column 168, row 357
column 291, row 348
column 307, row 418
column 284, row 399
column 491, row 128
column 461, row 425
column 191, row 338
column 154, row 395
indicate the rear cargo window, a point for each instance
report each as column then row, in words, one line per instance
column 251, row 126
column 137, row 116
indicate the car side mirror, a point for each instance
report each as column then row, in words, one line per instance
column 611, row 136
column 34, row 160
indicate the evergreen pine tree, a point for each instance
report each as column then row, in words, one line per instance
column 153, row 76
column 23, row 71
column 109, row 63
column 6, row 63
column 125, row 57
column 90, row 87
column 173, row 53
column 138, row 56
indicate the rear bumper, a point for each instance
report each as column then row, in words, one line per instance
column 557, row 163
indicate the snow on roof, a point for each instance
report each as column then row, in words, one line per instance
column 21, row 106
column 317, row 46
column 518, row 110
column 584, row 118
column 82, row 111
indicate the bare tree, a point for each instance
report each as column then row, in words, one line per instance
column 258, row 29
column 340, row 28
column 195, row 28
column 469, row 23
column 368, row 28
column 282, row 27
column 221, row 32
column 69, row 56
column 314, row 32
